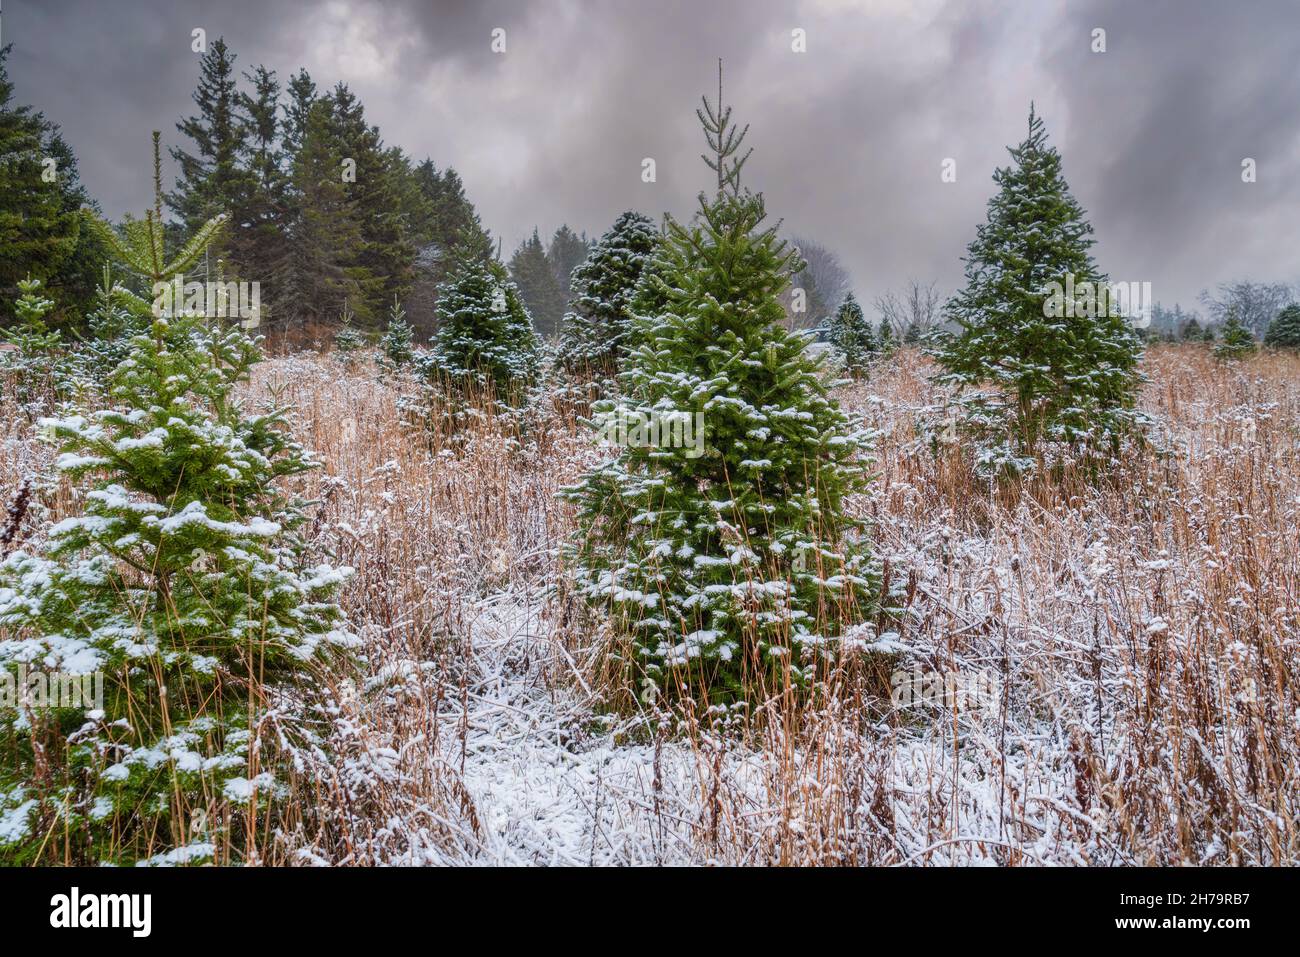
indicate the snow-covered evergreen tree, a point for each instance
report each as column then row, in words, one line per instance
column 718, row 540
column 1236, row 341
column 1284, row 330
column 181, row 585
column 885, row 341
column 594, row 335
column 37, row 365
column 349, row 341
column 119, row 316
column 485, row 336
column 1032, row 367
column 850, row 333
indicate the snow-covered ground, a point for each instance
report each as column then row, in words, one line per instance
column 1142, row 638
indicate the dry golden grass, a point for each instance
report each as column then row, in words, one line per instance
column 1143, row 632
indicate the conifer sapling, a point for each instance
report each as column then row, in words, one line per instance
column 851, row 334
column 1236, row 341
column 718, row 539
column 1042, row 356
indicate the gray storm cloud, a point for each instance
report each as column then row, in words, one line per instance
column 849, row 137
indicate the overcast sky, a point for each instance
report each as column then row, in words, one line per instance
column 848, row 137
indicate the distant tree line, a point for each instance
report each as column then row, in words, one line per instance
column 1257, row 307
column 543, row 271
column 42, row 234
column 321, row 211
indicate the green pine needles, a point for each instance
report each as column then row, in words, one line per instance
column 718, row 538
column 1037, row 370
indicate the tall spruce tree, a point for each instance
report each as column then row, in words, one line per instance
column 533, row 274
column 301, row 95
column 321, row 273
column 594, row 336
column 850, row 333
column 213, row 179
column 383, row 263
column 565, row 252
column 1031, row 367
column 724, row 555
column 41, row 196
column 260, row 244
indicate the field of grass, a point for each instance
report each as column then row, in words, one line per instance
column 1142, row 637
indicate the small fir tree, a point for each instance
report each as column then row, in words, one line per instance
column 1284, row 330
column 182, row 587
column 725, row 556
column 851, row 334
column 349, row 341
column 1032, row 367
column 396, row 344
column 37, row 364
column 885, row 341
column 594, row 336
column 1236, row 341
column 485, row 339
column 211, row 180
column 119, row 316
